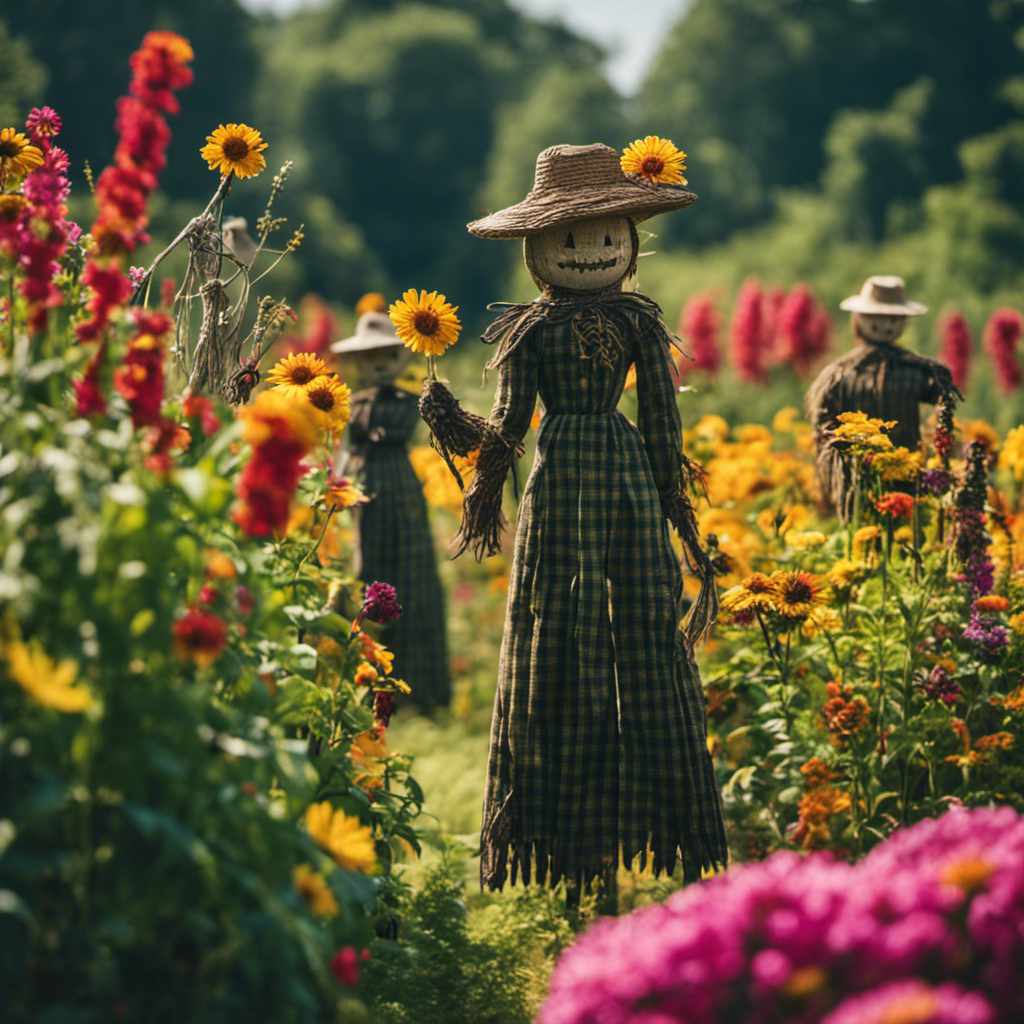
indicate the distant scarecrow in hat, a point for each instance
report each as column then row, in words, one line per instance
column 878, row 378
column 598, row 742
column 394, row 543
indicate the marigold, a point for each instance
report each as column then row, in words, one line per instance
column 347, row 840
column 235, row 149
column 898, row 464
column 297, row 371
column 656, row 159
column 1012, row 455
column 845, row 718
column 314, row 890
column 425, row 321
column 17, row 155
column 896, row 505
column 54, row 685
column 991, row 603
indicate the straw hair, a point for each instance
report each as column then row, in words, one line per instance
column 575, row 182
column 883, row 294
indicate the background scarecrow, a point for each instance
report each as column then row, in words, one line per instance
column 394, row 542
column 598, row 744
column 878, row 378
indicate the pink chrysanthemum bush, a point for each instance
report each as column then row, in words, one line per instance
column 927, row 928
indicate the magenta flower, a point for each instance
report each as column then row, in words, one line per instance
column 939, row 685
column 746, row 333
column 700, row 323
column 914, row 1001
column 955, row 346
column 1002, row 332
column 802, row 333
column 379, row 604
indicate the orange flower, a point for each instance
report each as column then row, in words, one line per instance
column 896, row 505
column 991, row 603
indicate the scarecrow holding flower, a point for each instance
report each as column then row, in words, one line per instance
column 598, row 745
column 394, row 541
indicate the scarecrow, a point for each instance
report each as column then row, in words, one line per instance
column 878, row 378
column 598, row 743
column 394, row 542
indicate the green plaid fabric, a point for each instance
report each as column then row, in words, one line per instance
column 884, row 381
column 395, row 543
column 598, row 745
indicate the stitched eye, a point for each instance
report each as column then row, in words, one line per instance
column 607, row 239
column 569, row 243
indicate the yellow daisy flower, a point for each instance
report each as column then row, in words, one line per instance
column 797, row 593
column 314, row 890
column 784, row 421
column 345, row 838
column 298, row 370
column 1012, row 455
column 426, row 322
column 656, row 159
column 897, row 464
column 50, row 684
column 756, row 593
column 17, row 154
column 235, row 149
column 331, row 403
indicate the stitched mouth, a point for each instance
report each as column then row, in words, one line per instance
column 582, row 265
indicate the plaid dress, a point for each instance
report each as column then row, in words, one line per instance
column 885, row 382
column 395, row 544
column 598, row 744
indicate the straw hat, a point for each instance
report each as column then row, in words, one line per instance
column 883, row 294
column 374, row 330
column 574, row 182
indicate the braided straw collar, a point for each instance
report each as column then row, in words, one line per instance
column 575, row 182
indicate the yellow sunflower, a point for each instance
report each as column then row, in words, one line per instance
column 297, row 371
column 313, row 889
column 330, row 400
column 425, row 321
column 757, row 593
column 235, row 148
column 54, row 686
column 17, row 154
column 656, row 159
column 797, row 594
column 348, row 841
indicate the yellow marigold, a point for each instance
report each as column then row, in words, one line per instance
column 366, row 675
column 864, row 538
column 1012, row 455
column 274, row 411
column 845, row 575
column 345, row 838
column 17, row 155
column 979, row 430
column 821, row 620
column 711, row 428
column 970, row 875
column 1016, row 623
column 779, row 521
column 425, row 321
column 343, row 493
column 753, row 433
column 656, row 159
column 331, row 403
column 898, row 464
column 314, row 890
column 797, row 593
column 235, row 149
column 863, row 433
column 298, row 370
column 46, row 682
column 371, row 302
column 784, row 420
column 804, row 540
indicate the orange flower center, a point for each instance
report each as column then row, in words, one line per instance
column 302, row 375
column 322, row 399
column 652, row 166
column 426, row 322
column 236, row 148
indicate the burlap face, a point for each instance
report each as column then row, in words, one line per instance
column 585, row 255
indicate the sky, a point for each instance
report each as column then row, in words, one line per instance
column 630, row 29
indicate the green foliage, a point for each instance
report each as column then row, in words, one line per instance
column 21, row 77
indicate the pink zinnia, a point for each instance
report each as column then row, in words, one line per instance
column 955, row 346
column 746, row 337
column 699, row 323
column 1002, row 332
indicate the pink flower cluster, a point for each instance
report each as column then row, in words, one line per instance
column 930, row 920
column 36, row 231
column 699, row 323
column 955, row 346
column 802, row 332
column 747, row 340
column 1002, row 332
